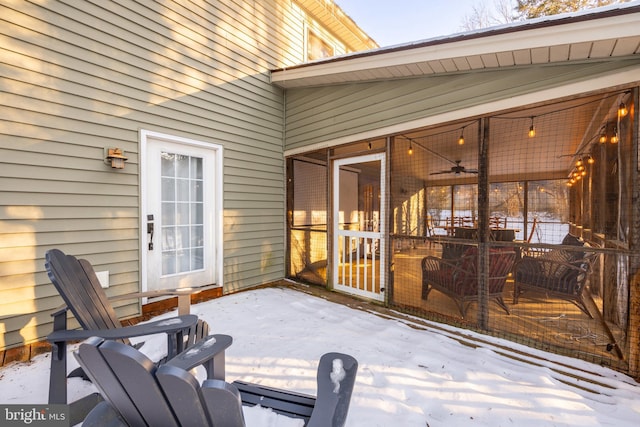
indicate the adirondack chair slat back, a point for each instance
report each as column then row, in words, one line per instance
column 101, row 375
column 223, row 403
column 80, row 289
column 182, row 392
column 136, row 373
column 143, row 395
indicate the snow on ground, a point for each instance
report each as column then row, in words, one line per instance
column 407, row 376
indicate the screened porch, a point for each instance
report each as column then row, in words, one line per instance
column 544, row 191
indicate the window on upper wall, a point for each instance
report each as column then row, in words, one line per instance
column 317, row 47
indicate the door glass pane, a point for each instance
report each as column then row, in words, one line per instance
column 169, row 212
column 196, row 190
column 167, row 164
column 182, row 190
column 196, row 168
column 168, row 189
column 197, row 259
column 182, row 166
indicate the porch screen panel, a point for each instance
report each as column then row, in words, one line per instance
column 560, row 174
column 308, row 233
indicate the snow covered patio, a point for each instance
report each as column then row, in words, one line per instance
column 411, row 372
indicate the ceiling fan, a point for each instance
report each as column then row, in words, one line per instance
column 457, row 169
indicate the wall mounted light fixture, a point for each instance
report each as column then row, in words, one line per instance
column 114, row 157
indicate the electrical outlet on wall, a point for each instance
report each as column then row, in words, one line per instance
column 103, row 278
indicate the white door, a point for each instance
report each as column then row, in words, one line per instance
column 181, row 194
column 359, row 254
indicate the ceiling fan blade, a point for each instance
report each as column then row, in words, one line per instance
column 439, row 173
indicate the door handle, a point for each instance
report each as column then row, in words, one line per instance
column 150, row 228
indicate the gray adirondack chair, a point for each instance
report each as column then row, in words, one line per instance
column 335, row 381
column 137, row 393
column 80, row 289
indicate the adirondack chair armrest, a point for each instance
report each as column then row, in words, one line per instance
column 284, row 402
column 209, row 352
column 336, row 378
column 335, row 381
column 170, row 326
column 60, row 310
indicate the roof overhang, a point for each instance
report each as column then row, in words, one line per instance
column 593, row 35
column 339, row 23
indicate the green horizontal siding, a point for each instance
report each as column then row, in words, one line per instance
column 81, row 76
column 319, row 115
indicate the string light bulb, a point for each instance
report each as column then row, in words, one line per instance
column 461, row 139
column 591, row 160
column 603, row 135
column 532, row 129
column 622, row 110
column 614, row 138
column 369, row 145
column 410, row 149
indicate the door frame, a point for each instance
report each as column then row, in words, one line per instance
column 217, row 200
column 382, row 233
